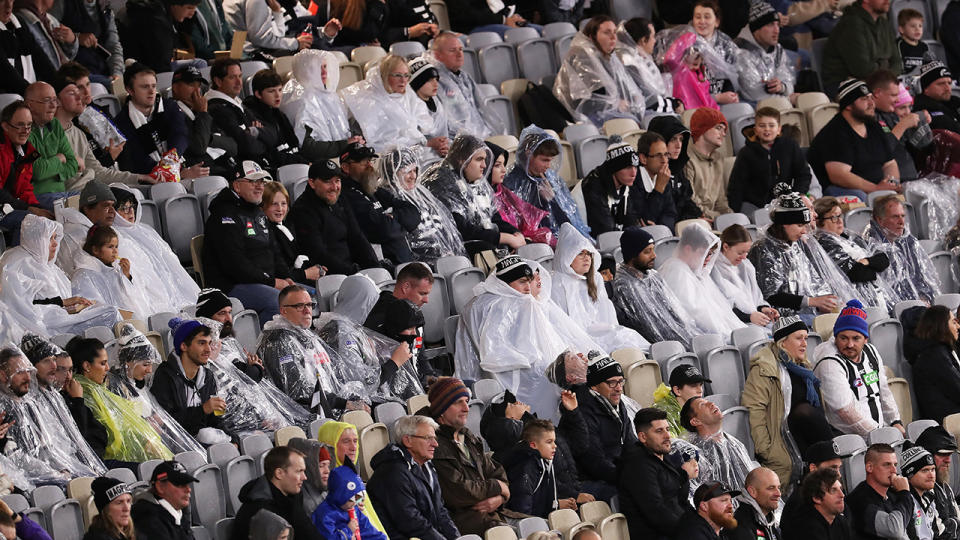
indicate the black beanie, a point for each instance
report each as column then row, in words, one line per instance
column 421, row 71
column 210, row 302
column 620, row 155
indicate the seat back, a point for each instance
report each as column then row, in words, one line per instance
column 209, row 489
column 407, row 49
column 535, row 59
column 123, row 474
column 373, row 438
column 498, row 63
column 724, row 367
column 387, row 414
column 246, row 327
column 643, row 378
column 724, row 401
column 487, row 389
column 594, row 511
column 223, row 530
column 182, row 220
column 736, row 422
column 360, row 419
column 563, row 520
column 417, row 402
column 283, row 435
column 531, row 525
column 945, row 264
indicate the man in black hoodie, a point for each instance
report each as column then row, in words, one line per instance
column 228, row 113
column 677, row 136
column 149, row 34
column 937, row 99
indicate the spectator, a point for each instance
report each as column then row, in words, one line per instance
column 469, row 16
column 229, row 116
column 722, row 457
column 278, row 491
column 686, row 383
column 326, row 225
column 55, row 161
column 274, row 131
column 881, row 505
column 513, row 210
column 908, row 133
column 861, row 43
column 767, row 406
column 856, row 397
column 913, row 51
column 99, row 49
column 458, row 90
column 819, row 514
column 592, row 83
column 736, row 278
column 406, row 485
column 937, row 99
column 103, row 276
column 409, row 20
column 941, row 445
column 951, row 37
column 56, row 40
column 154, row 126
column 26, row 62
column 765, row 68
column 159, row 513
column 691, row 87
column 267, row 525
column 271, row 27
column 185, row 386
column 113, row 501
column 458, row 183
column 713, row 514
column 935, row 371
column 16, row 163
column 534, row 178
column 311, row 102
column 210, row 31
column 149, row 33
column 238, row 254
column 920, row 470
column 474, row 486
column 405, row 324
column 758, row 507
column 704, row 169
column 361, row 23
column 425, row 81
column 641, row 296
column 343, row 439
column 206, row 144
column 687, row 273
column 676, row 135
column 766, row 160
column 215, row 306
column 636, row 39
column 337, row 515
column 288, row 261
column 653, row 491
column 96, row 208
column 819, row 455
column 578, row 290
column 908, row 261
column 317, row 459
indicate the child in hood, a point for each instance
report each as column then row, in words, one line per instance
column 336, row 516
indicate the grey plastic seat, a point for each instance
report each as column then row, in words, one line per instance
column 552, row 31
column 246, row 326
column 407, row 49
column 590, row 153
column 736, row 422
column 536, row 58
column 498, row 63
column 182, row 220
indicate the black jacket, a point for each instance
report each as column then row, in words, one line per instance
column 596, row 437
column 231, row 254
column 408, row 500
column 154, row 522
column 864, row 503
column 373, row 23
column 259, row 494
column 757, row 170
column 276, row 133
column 402, row 14
column 169, row 126
column 942, row 115
column 330, row 235
column 653, row 494
column 533, row 486
column 750, row 526
column 692, row 527
column 285, row 253
column 234, row 122
column 101, row 535
column 93, row 431
column 669, row 126
column 598, row 190
column 13, row 45
column 936, row 377
column 806, row 523
column 384, row 218
column 171, row 388
column 201, row 134
column 76, row 17
column 148, row 33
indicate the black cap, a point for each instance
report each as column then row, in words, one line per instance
column 357, row 152
column 324, row 170
column 173, row 472
column 937, row 440
column 189, row 74
column 682, row 375
column 821, row 451
column 712, row 490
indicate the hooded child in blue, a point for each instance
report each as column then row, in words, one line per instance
column 332, row 517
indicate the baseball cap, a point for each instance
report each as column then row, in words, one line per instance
column 251, row 170
column 682, row 375
column 189, row 74
column 357, row 152
column 95, row 192
column 173, row 472
column 821, row 451
column 324, row 170
column 712, row 490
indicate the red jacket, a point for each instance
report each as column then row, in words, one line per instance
column 20, row 187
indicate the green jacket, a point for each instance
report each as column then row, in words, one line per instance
column 763, row 397
column 49, row 174
column 858, row 46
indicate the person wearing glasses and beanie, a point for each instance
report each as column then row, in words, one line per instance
column 113, row 501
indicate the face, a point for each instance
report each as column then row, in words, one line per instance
column 17, row 130
column 327, row 190
column 606, row 37
column 706, row 412
column 705, row 21
column 903, row 110
column 83, row 86
column 834, row 464
column 475, row 167
column 954, row 326
column 647, row 44
column 768, row 35
column 357, row 169
column 736, row 253
column 794, row 231
column 182, row 12
column 398, row 78
column 611, row 389
column 119, row 510
column 688, row 392
column 850, row 343
column 103, row 213
column 297, row 308
column 198, row 351
column 657, row 437
column 720, row 511
column 408, row 178
column 913, row 30
column 52, row 249
column 324, row 468
column 270, row 96
column 499, row 170
column 108, row 252
column 181, row 91
column 882, row 469
column 97, row 370
column 19, row 383
column 942, row 461
column 878, row 7
column 143, row 90
column 277, row 210
column 766, row 491
column 6, row 10
column 43, row 103
column 224, row 316
column 138, row 371
column 249, row 190
column 939, row 89
column 521, row 285
column 546, row 445
column 456, row 415
column 289, row 479
column 285, row 535
column 177, row 496
column 422, row 444
column 417, row 292
column 795, row 345
column 64, row 373
column 832, row 501
column 715, row 135
column 895, row 219
column 581, row 263
column 655, row 157
column 833, row 221
column 864, row 109
column 925, row 478
column 46, row 371
column 128, row 211
column 449, row 52
column 767, row 129
column 539, row 164
column 645, row 259
column 675, row 145
column 230, row 84
column 348, row 445
column 885, row 96
column 429, row 88
column 70, row 100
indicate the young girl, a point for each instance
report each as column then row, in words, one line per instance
column 102, row 276
column 690, row 83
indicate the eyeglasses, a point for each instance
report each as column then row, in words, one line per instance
column 21, row 127
column 615, row 384
column 424, row 437
column 126, row 208
column 836, row 219
column 301, row 306
column 47, row 101
column 661, row 155
column 257, row 182
column 405, row 76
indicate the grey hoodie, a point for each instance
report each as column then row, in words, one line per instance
column 266, row 525
column 314, row 491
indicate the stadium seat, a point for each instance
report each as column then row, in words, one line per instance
column 609, row 241
column 450, row 334
column 915, row 428
column 724, row 367
column 123, row 474
column 563, row 520
column 590, row 153
column 462, row 283
column 407, row 49
column 498, row 61
column 737, row 138
column 575, row 133
column 536, row 58
column 102, row 333
column 681, row 225
column 64, row 517
column 474, row 415
column 362, row 55
column 501, row 107
column 246, row 328
column 283, row 435
column 818, row 116
column 562, row 45
column 823, row 325
column 809, row 100
column 235, row 471
column 326, row 286
column 417, row 402
column 568, row 164
column 436, row 311
column 531, row 525
column 852, row 448
column 724, row 401
column 950, row 300
column 902, row 394
column 887, row 435
column 373, row 438
column 387, row 414
column 536, row 252
column 594, row 511
column 256, row 446
column 360, row 419
column 642, row 378
column 223, row 530
column 503, row 532
column 736, row 422
column 614, row 527
column 945, row 263
column 723, row 221
column 552, row 31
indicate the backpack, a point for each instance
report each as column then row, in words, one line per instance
column 539, row 106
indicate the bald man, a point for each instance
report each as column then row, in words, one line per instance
column 56, row 161
column 756, row 516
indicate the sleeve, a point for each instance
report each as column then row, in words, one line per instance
column 248, row 145
column 367, row 530
column 112, row 44
column 200, row 134
column 155, row 48
column 658, row 207
column 839, row 403
column 165, row 389
column 599, row 218
column 11, row 80
column 254, row 371
column 738, row 180
column 469, row 231
column 786, row 74
column 640, row 481
column 261, row 29
column 278, row 360
column 467, row 14
column 756, row 398
column 394, row 30
column 108, row 175
column 751, row 85
column 315, row 150
column 50, row 167
column 521, row 490
column 360, row 249
column 406, row 213
column 374, row 21
column 177, row 133
column 309, row 231
column 229, row 251
column 873, row 520
column 459, row 490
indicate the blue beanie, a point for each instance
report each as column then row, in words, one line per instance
column 853, row 317
column 182, row 328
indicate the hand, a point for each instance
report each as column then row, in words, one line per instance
column 81, row 166
column 899, row 483
column 87, row 40
column 724, row 98
column 663, row 177
column 253, row 359
column 37, row 211
column 115, row 149
column 515, row 411
column 274, row 5
column 332, row 28
column 903, row 430
column 926, row 116
column 62, row 158
column 257, row 124
column 401, row 355
column 910, row 120
column 514, row 21
column 421, row 29
column 357, row 139
column 146, row 179
column 312, row 273
column 5, row 427
column 545, row 189
column 568, row 399
column 759, row 319
column 73, row 388
column 487, row 506
column 440, row 145
column 77, row 301
column 774, row 86
column 692, row 468
column 216, row 403
column 195, row 171
column 64, row 34
column 567, row 503
column 304, row 41
column 198, row 103
column 585, row 498
column 886, row 184
column 825, row 303
column 784, row 20
column 770, row 312
column 125, row 267
column 280, row 284
column 353, row 525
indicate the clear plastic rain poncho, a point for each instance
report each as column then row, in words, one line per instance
column 598, row 317
column 941, row 193
column 28, row 274
column 845, row 251
column 648, row 305
column 723, row 458
column 458, row 93
column 312, row 106
column 135, row 352
column 738, row 283
column 687, row 273
column 471, row 201
column 548, row 192
column 151, row 258
column 387, row 119
column 46, row 447
column 437, row 235
column 107, row 285
column 515, row 337
column 755, row 65
column 911, row 275
column 719, row 53
column 641, row 66
column 595, row 87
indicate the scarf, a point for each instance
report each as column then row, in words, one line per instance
column 15, row 43
column 138, row 119
column 811, row 382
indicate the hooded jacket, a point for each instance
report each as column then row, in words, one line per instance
column 332, row 520
column 752, row 523
column 313, row 490
column 668, row 126
column 757, row 170
column 858, row 46
column 535, row 485
column 267, row 525
column 763, row 398
column 409, row 497
column 329, row 434
column 330, row 234
column 387, row 119
column 171, row 388
column 237, row 244
column 260, row 494
column 936, row 374
column 605, row 212
column 384, row 218
column 653, row 493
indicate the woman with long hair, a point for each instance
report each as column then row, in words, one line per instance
column 113, row 501
column 932, row 351
column 737, row 278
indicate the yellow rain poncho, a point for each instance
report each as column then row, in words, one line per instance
column 329, row 434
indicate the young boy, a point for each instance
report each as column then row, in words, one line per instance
column 336, row 516
column 912, row 49
column 533, row 484
column 766, row 160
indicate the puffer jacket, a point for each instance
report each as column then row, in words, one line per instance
column 763, row 398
